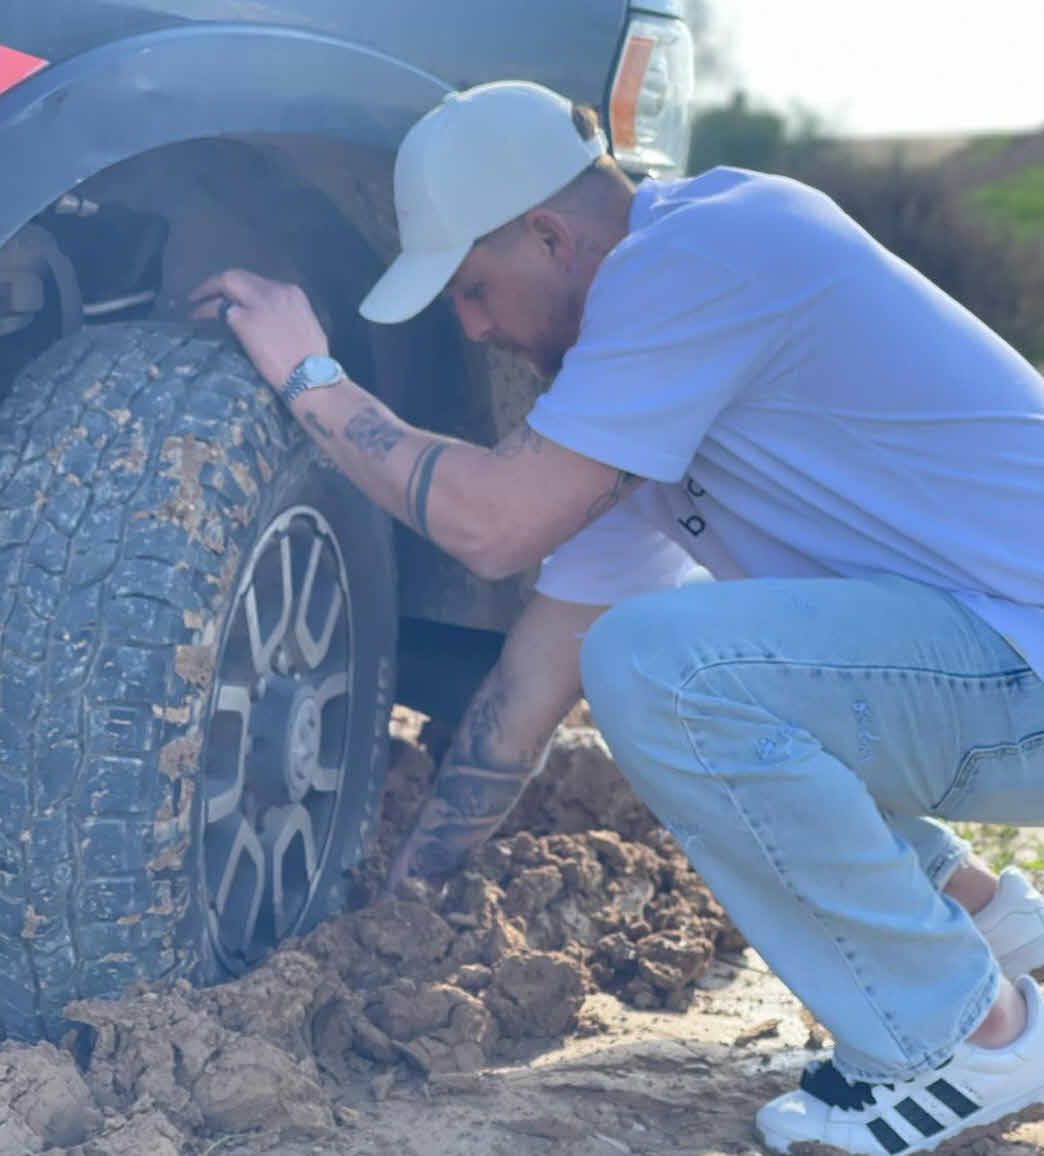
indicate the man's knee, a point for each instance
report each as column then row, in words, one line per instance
column 600, row 654
column 608, row 653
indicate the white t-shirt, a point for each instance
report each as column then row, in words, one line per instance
column 810, row 403
column 623, row 553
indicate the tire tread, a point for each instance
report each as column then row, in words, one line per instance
column 102, row 568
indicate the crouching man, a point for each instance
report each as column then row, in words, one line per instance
column 859, row 454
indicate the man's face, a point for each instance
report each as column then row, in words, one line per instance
column 520, row 293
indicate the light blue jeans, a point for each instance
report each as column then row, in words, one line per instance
column 793, row 735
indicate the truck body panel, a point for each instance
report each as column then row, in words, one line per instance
column 567, row 46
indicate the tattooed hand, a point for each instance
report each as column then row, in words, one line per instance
column 479, row 782
column 469, row 805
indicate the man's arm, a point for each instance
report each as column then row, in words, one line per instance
column 502, row 740
column 498, row 511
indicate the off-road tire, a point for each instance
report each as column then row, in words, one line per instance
column 139, row 467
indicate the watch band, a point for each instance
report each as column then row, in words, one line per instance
column 313, row 372
column 294, row 386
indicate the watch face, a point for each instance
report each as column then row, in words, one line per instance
column 320, row 370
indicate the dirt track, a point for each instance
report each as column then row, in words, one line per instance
column 576, row 992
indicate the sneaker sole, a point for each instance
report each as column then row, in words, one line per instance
column 981, row 1119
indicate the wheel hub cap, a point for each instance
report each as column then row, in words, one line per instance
column 304, row 747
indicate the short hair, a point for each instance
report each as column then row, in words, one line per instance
column 600, row 176
column 585, row 121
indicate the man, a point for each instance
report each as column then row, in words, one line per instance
column 859, row 453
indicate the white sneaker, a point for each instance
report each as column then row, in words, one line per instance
column 977, row 1086
column 1013, row 924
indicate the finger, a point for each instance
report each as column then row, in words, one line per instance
column 219, row 309
column 208, row 310
column 213, row 287
column 237, row 284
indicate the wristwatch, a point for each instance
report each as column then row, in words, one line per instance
column 314, row 372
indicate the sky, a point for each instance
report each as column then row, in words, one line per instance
column 887, row 67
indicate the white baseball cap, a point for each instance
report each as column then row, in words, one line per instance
column 479, row 159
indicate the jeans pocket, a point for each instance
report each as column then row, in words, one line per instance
column 999, row 784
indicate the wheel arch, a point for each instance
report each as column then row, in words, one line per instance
column 70, row 121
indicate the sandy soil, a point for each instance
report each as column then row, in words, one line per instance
column 575, row 992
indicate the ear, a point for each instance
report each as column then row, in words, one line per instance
column 553, row 233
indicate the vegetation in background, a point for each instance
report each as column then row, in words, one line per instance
column 1003, row 846
column 737, row 134
column 983, row 246
column 984, row 148
column 1015, row 202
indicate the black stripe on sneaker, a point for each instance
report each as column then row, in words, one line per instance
column 914, row 1114
column 887, row 1137
column 955, row 1100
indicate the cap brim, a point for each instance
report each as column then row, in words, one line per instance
column 412, row 282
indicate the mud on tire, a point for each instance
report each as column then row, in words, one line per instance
column 196, row 665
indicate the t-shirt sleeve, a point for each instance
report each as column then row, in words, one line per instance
column 619, row 555
column 668, row 340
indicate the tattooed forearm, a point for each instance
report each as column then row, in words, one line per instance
column 480, row 793
column 478, row 784
column 481, row 732
column 621, row 486
column 418, row 486
column 314, row 423
column 523, row 438
column 373, row 434
column 468, row 806
column 479, row 779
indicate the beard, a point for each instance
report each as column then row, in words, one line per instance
column 545, row 362
column 546, row 351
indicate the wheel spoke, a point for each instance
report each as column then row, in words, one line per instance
column 262, row 649
column 283, row 828
column 244, row 852
column 333, row 686
column 313, row 650
column 232, row 699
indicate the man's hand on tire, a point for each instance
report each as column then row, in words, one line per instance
column 273, row 320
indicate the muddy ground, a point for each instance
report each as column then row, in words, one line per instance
column 575, row 992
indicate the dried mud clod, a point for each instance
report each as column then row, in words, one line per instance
column 619, row 908
column 217, row 1059
column 45, row 1099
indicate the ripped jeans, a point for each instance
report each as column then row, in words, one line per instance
column 793, row 735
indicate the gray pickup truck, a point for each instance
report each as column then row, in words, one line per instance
column 203, row 625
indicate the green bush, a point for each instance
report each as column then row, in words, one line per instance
column 1015, row 203
column 736, row 134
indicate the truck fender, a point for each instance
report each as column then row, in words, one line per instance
column 68, row 122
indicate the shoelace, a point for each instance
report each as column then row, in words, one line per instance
column 826, row 1083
